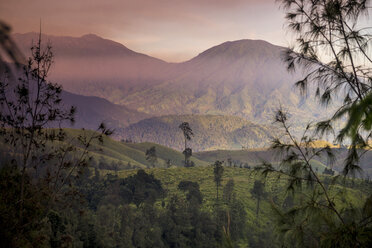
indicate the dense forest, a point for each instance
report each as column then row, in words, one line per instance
column 175, row 207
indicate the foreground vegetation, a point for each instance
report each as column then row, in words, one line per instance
column 175, row 207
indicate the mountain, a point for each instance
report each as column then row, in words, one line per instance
column 246, row 78
column 91, row 65
column 210, row 132
column 92, row 111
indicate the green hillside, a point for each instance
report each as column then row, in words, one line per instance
column 254, row 157
column 123, row 153
column 243, row 183
column 117, row 155
column 118, row 193
column 244, row 179
column 245, row 158
column 112, row 154
column 166, row 153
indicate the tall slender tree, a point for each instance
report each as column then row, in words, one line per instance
column 187, row 133
column 258, row 192
column 218, row 173
column 151, row 156
column 228, row 191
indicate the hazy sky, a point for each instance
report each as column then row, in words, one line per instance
column 173, row 30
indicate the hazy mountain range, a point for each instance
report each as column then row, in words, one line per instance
column 91, row 65
column 244, row 78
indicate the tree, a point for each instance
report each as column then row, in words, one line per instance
column 218, row 173
column 288, row 202
column 8, row 49
column 188, row 153
column 151, row 156
column 328, row 171
column 47, row 159
column 229, row 162
column 332, row 46
column 141, row 188
column 169, row 163
column 228, row 191
column 238, row 218
column 194, row 195
column 258, row 192
column 320, row 220
column 187, row 133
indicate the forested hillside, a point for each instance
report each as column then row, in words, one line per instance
column 210, row 132
column 175, row 207
column 92, row 111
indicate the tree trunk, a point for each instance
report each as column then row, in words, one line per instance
column 185, row 152
column 217, row 194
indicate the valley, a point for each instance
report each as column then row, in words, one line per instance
column 134, row 93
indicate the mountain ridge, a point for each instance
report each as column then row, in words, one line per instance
column 91, row 111
column 90, row 65
column 244, row 78
column 20, row 37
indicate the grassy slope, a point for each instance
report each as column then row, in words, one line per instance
column 112, row 151
column 134, row 153
column 166, row 153
column 251, row 157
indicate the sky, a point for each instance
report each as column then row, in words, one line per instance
column 172, row 30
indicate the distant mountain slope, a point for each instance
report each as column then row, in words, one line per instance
column 246, row 78
column 210, row 132
column 91, row 65
column 91, row 111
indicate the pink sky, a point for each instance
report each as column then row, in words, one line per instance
column 172, row 30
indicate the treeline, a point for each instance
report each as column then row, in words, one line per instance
column 108, row 211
